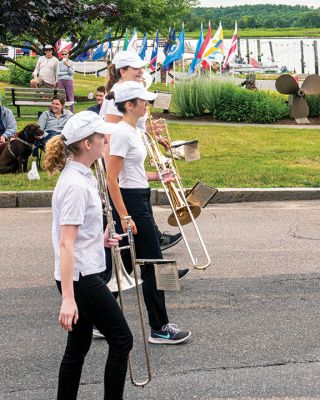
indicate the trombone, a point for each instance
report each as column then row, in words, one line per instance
column 120, row 279
column 183, row 212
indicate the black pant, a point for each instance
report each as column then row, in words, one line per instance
column 147, row 246
column 97, row 306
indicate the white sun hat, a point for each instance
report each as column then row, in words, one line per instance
column 128, row 59
column 130, row 90
column 84, row 124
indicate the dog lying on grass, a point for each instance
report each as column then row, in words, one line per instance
column 16, row 152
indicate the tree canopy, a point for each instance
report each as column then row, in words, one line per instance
column 254, row 16
column 43, row 22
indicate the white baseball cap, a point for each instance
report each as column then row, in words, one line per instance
column 130, row 90
column 48, row 47
column 84, row 124
column 128, row 59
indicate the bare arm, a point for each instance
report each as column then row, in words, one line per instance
column 114, row 168
column 69, row 310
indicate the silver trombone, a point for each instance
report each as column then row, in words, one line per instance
column 120, row 279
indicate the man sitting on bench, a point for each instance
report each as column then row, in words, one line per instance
column 45, row 73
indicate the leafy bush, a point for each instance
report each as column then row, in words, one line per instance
column 314, row 105
column 228, row 102
column 19, row 76
column 5, row 75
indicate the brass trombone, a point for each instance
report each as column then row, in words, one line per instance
column 120, row 279
column 182, row 212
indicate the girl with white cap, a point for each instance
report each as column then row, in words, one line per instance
column 78, row 241
column 127, row 66
column 129, row 190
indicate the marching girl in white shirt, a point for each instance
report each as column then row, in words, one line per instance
column 78, row 242
column 130, row 193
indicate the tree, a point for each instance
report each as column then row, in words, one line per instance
column 46, row 21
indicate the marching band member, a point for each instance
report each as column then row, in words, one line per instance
column 78, row 241
column 127, row 66
column 130, row 193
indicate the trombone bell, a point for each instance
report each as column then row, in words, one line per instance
column 183, row 215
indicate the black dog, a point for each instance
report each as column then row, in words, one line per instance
column 15, row 154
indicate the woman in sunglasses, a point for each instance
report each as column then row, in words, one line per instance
column 65, row 77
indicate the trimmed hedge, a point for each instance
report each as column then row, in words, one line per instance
column 228, row 102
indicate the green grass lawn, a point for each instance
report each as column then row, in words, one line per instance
column 243, row 156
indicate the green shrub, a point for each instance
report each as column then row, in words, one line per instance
column 5, row 75
column 228, row 102
column 314, row 105
column 19, row 76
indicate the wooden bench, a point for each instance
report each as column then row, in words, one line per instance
column 32, row 97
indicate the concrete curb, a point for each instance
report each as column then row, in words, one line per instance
column 225, row 195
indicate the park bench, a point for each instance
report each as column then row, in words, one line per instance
column 32, row 97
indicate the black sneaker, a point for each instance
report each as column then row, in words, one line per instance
column 167, row 240
column 183, row 273
column 168, row 334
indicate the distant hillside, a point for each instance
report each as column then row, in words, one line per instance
column 254, row 16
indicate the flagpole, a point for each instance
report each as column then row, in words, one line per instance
column 174, row 73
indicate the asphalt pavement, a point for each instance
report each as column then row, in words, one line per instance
column 254, row 315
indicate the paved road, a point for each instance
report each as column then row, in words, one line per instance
column 254, row 314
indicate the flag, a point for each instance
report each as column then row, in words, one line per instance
column 101, row 51
column 133, row 43
column 177, row 50
column 205, row 42
column 196, row 60
column 154, row 54
column 232, row 51
column 85, row 55
column 67, row 47
column 143, row 47
column 126, row 41
column 215, row 47
column 170, row 41
column 254, row 62
column 58, row 46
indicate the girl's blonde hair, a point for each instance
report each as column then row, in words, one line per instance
column 57, row 152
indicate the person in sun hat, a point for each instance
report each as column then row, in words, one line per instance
column 78, row 242
column 45, row 72
column 128, row 185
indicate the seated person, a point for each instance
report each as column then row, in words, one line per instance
column 8, row 125
column 100, row 95
column 53, row 121
column 45, row 73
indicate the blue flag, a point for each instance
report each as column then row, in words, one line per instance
column 85, row 55
column 143, row 47
column 171, row 40
column 177, row 50
column 196, row 60
column 102, row 50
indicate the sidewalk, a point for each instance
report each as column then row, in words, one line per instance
column 158, row 196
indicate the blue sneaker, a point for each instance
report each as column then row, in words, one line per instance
column 168, row 334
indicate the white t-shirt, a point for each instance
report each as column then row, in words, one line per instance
column 76, row 201
column 109, row 108
column 127, row 143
